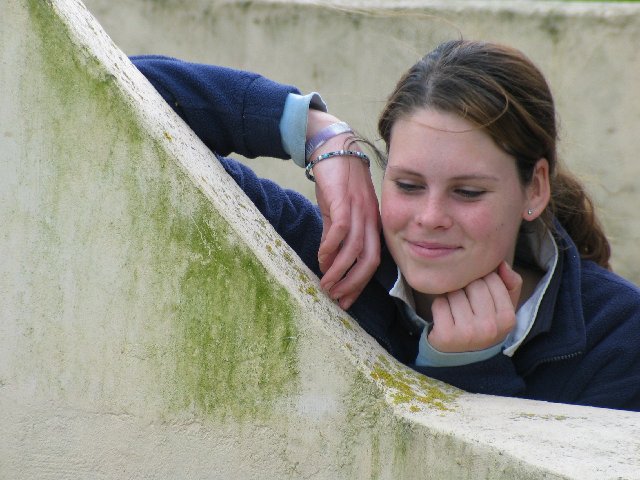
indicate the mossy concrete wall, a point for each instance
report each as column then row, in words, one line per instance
column 153, row 325
column 353, row 51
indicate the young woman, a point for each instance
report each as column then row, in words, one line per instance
column 493, row 272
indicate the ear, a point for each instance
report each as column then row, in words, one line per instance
column 538, row 191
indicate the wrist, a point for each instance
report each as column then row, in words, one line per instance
column 430, row 356
column 317, row 120
column 337, row 153
column 323, row 136
column 293, row 124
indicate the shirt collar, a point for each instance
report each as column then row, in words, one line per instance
column 403, row 294
column 543, row 251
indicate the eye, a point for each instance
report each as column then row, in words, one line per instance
column 469, row 194
column 407, row 186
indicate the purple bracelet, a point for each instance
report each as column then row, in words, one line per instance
column 322, row 136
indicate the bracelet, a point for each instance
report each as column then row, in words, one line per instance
column 337, row 153
column 322, row 136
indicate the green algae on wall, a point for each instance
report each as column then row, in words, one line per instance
column 237, row 326
column 376, row 443
column 218, row 328
column 411, row 388
column 365, row 412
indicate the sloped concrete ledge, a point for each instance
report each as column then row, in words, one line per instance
column 155, row 326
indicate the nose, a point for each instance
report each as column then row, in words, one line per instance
column 434, row 212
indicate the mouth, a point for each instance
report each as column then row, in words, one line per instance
column 432, row 250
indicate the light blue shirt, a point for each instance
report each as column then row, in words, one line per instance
column 293, row 124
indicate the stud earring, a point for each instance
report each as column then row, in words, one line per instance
column 529, row 212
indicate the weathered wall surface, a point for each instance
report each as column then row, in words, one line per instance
column 152, row 325
column 354, row 52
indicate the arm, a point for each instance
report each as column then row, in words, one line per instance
column 350, row 248
column 230, row 110
column 235, row 111
column 292, row 215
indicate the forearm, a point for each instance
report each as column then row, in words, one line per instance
column 230, row 110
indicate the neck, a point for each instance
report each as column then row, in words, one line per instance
column 423, row 304
column 530, row 278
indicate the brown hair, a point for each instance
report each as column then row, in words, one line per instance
column 501, row 91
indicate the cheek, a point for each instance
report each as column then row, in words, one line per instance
column 396, row 212
column 389, row 214
column 495, row 232
column 387, row 217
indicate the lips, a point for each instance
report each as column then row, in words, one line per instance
column 432, row 250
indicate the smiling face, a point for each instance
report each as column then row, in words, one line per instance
column 452, row 202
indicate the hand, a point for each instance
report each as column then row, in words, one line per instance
column 479, row 316
column 350, row 245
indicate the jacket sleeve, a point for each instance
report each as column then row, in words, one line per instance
column 229, row 110
column 293, row 216
column 494, row 376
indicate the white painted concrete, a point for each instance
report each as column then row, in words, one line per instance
column 353, row 51
column 122, row 237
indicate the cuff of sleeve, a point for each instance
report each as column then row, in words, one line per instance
column 293, row 124
column 430, row 357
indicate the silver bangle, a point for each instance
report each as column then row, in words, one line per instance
column 337, row 153
column 323, row 136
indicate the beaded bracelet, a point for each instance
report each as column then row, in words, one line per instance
column 323, row 136
column 337, row 153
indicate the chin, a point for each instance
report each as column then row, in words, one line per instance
column 434, row 287
column 441, row 282
column 438, row 283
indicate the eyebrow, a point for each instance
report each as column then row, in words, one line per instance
column 474, row 176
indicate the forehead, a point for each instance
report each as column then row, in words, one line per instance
column 434, row 139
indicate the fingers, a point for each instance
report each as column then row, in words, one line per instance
column 349, row 251
column 477, row 317
column 499, row 293
column 474, row 300
column 443, row 335
column 512, row 281
column 349, row 287
column 352, row 246
column 501, row 318
column 333, row 234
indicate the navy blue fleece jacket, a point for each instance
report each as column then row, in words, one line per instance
column 584, row 345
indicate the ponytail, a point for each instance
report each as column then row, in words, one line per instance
column 575, row 211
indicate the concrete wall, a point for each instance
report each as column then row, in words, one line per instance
column 154, row 326
column 354, row 52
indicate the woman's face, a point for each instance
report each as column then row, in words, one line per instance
column 452, row 202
